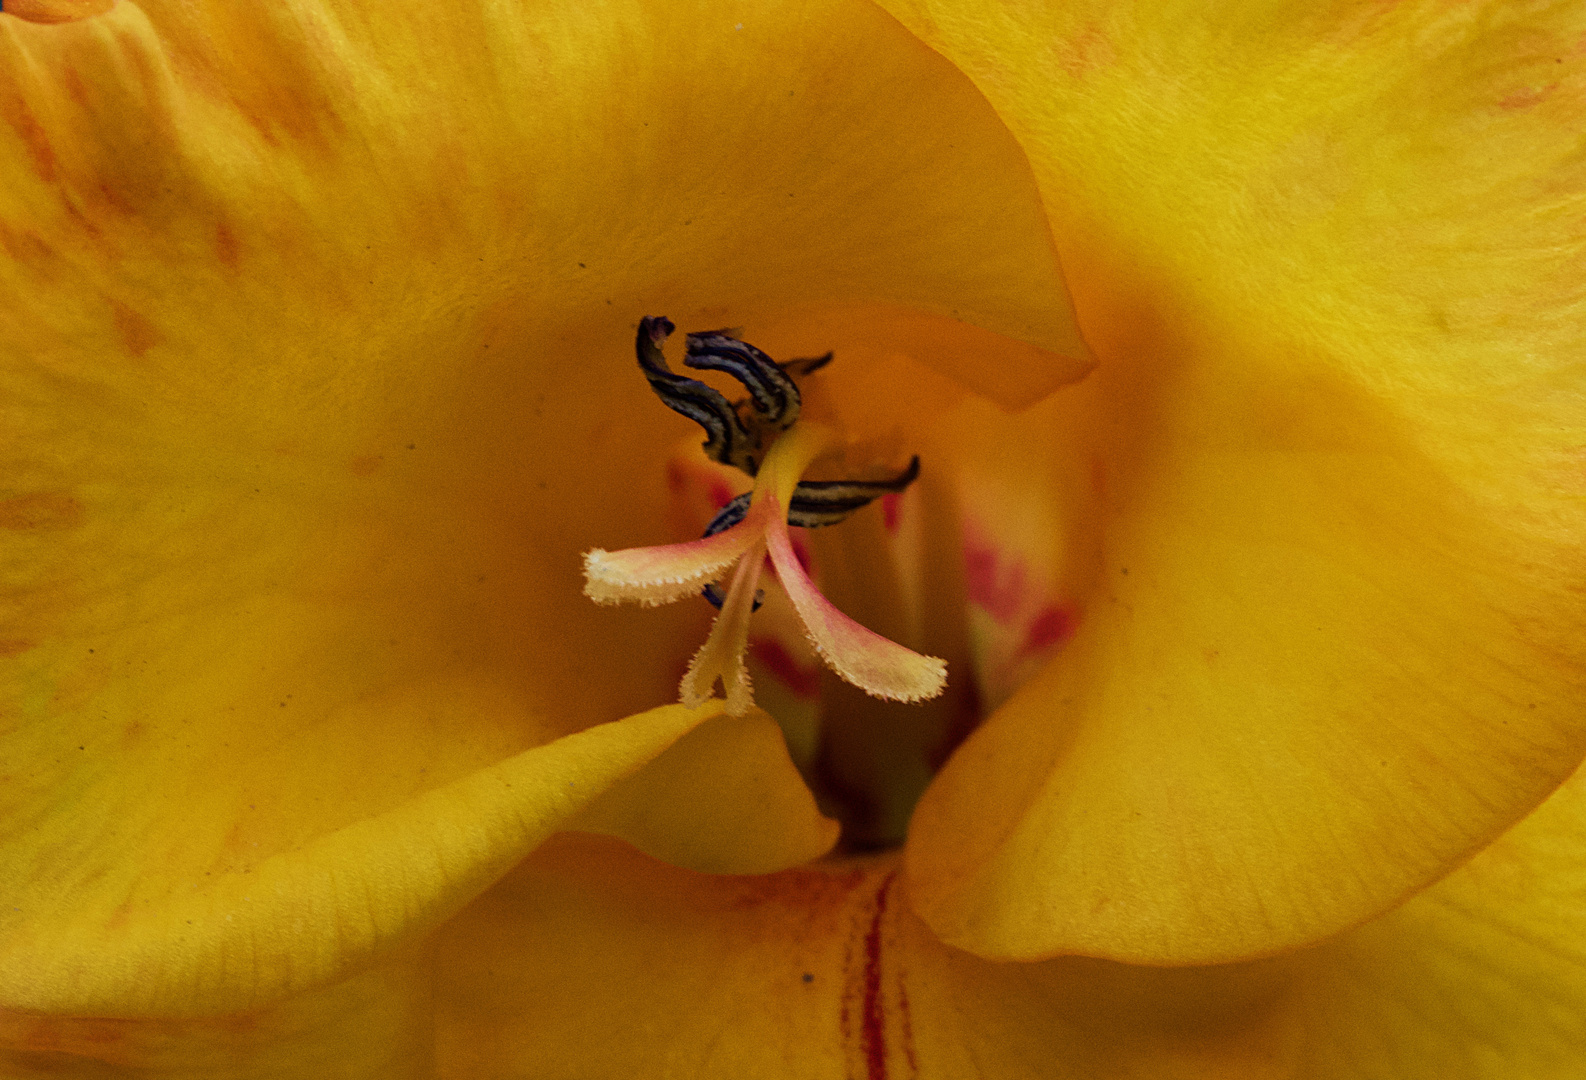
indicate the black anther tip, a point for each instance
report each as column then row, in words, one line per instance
column 656, row 327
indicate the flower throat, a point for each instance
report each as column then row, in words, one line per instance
column 763, row 437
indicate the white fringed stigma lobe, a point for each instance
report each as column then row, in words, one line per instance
column 659, row 575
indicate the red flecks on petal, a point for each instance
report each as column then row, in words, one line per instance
column 11, row 647
column 1531, row 95
column 698, row 489
column 226, row 246
column 56, row 11
column 365, row 465
column 865, row 1007
column 675, row 477
column 1053, row 625
column 24, row 245
column 1091, row 50
column 993, row 584
column 890, row 511
column 32, row 135
column 874, row 1029
column 801, row 549
column 1098, row 476
column 908, row 1028
column 138, row 334
column 774, row 657
column 42, row 511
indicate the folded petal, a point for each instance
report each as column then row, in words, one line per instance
column 1329, row 504
column 724, row 799
column 122, row 940
column 826, row 972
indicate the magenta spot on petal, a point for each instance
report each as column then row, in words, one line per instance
column 675, row 478
column 1531, row 95
column 770, row 654
column 889, row 511
column 720, row 494
column 996, row 586
column 1053, row 626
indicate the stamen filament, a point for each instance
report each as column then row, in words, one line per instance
column 789, row 456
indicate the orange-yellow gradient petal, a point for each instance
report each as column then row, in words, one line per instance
column 1329, row 632
column 375, row 1024
column 827, row 973
column 315, row 380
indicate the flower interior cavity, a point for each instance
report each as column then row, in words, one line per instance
column 763, row 437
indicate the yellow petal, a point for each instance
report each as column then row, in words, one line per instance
column 133, row 937
column 315, row 379
column 1327, row 476
column 827, row 973
column 752, row 815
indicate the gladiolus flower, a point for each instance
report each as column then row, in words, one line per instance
column 1241, row 354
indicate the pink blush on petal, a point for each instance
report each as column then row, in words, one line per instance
column 1053, row 625
column 773, row 655
column 993, row 584
column 890, row 511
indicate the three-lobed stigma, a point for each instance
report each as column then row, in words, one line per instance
column 764, row 437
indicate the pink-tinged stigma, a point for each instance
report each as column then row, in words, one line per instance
column 659, row 575
column 763, row 437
